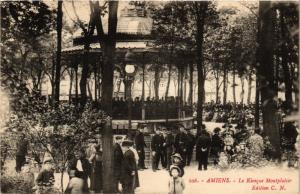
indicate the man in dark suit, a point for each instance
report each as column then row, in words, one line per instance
column 190, row 147
column 156, row 147
column 140, row 145
column 163, row 149
column 118, row 158
column 181, row 142
column 169, row 146
column 203, row 145
column 129, row 168
column 82, row 168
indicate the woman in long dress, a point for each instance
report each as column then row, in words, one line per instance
column 96, row 176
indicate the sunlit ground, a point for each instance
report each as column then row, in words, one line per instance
column 196, row 181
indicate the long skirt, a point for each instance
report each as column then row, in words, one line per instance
column 96, row 177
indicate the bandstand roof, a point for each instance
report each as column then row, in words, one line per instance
column 134, row 30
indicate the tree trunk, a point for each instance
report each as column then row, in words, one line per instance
column 249, row 88
column 89, row 89
column 184, row 86
column 266, row 70
column 143, row 83
column 118, row 87
column 156, row 81
column 233, row 87
column 217, row 86
column 225, row 86
column 284, row 62
column 190, row 98
column 108, row 48
column 257, row 107
column 96, row 82
column 150, row 88
column 175, row 87
column 243, row 90
column 201, row 8
column 181, row 85
column 76, row 84
column 58, row 53
column 84, row 77
column 71, row 85
column 169, row 80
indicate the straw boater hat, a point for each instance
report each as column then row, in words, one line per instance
column 177, row 156
column 175, row 167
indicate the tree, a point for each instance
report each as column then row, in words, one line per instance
column 58, row 53
column 200, row 15
column 108, row 52
column 266, row 73
column 25, row 26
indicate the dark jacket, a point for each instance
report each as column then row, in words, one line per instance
column 128, row 166
column 86, row 167
column 181, row 142
column 156, row 143
column 139, row 141
column 216, row 144
column 22, row 146
column 169, row 143
column 191, row 140
column 118, row 158
column 203, row 144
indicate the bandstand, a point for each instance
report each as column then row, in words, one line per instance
column 134, row 36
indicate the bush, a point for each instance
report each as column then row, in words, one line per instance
column 17, row 183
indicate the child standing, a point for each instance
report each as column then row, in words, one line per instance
column 176, row 183
column 176, row 160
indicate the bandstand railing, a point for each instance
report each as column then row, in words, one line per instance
column 153, row 110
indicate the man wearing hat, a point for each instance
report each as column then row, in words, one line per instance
column 140, row 145
column 169, row 144
column 202, row 149
column 118, row 158
column 181, row 143
column 129, row 169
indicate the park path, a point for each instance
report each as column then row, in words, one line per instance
column 196, row 181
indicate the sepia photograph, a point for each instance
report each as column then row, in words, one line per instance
column 149, row 97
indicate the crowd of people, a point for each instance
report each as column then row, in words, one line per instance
column 239, row 145
column 154, row 108
column 221, row 113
